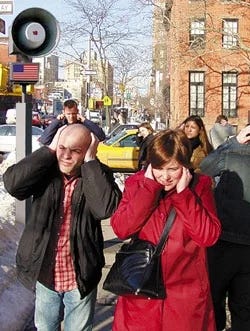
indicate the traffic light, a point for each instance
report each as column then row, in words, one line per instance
column 34, row 32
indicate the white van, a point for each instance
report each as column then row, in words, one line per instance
column 11, row 116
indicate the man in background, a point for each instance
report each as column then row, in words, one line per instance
column 228, row 259
column 220, row 131
column 69, row 116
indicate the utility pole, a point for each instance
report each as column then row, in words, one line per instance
column 33, row 33
column 23, row 145
column 88, row 76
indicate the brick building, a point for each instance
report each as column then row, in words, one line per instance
column 207, row 60
column 5, row 58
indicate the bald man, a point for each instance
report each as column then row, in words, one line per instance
column 60, row 254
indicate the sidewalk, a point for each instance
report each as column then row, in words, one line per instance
column 106, row 300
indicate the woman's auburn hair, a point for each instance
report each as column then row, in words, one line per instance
column 168, row 145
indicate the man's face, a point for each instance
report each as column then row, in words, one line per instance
column 70, row 152
column 223, row 122
column 71, row 114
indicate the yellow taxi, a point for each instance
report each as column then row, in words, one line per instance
column 120, row 152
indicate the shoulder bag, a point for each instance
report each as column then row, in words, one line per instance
column 137, row 267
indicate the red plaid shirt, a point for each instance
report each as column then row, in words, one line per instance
column 64, row 274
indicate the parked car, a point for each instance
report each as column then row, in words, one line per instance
column 8, row 138
column 11, row 116
column 122, row 127
column 36, row 119
column 120, row 152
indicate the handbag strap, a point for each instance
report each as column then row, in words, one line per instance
column 164, row 235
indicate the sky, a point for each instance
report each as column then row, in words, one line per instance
column 55, row 7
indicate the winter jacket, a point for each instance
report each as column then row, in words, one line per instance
column 188, row 306
column 219, row 133
column 231, row 162
column 95, row 198
column 143, row 143
column 51, row 130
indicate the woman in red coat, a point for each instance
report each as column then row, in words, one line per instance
column 148, row 197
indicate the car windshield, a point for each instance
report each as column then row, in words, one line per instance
column 10, row 130
column 4, row 130
column 36, row 131
column 122, row 127
column 115, row 138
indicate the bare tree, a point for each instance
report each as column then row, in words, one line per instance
column 132, row 65
column 113, row 30
column 105, row 23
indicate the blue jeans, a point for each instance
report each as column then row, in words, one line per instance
column 52, row 307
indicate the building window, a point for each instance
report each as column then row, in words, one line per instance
column 196, row 93
column 230, row 33
column 197, row 33
column 229, row 94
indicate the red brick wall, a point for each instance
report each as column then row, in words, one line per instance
column 5, row 58
column 213, row 60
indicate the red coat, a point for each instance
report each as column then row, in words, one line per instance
column 188, row 306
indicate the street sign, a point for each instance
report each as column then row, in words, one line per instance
column 6, row 7
column 91, row 103
column 107, row 101
column 89, row 72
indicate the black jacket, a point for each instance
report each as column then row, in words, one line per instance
column 230, row 164
column 143, row 143
column 51, row 130
column 96, row 196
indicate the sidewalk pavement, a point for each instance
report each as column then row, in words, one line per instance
column 105, row 300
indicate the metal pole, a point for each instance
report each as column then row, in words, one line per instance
column 88, row 76
column 23, row 146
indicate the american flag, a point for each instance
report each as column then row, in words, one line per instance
column 24, row 72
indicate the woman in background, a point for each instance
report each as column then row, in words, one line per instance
column 195, row 130
column 144, row 136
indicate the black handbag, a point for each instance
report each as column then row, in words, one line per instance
column 137, row 267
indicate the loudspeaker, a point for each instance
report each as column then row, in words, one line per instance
column 34, row 32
